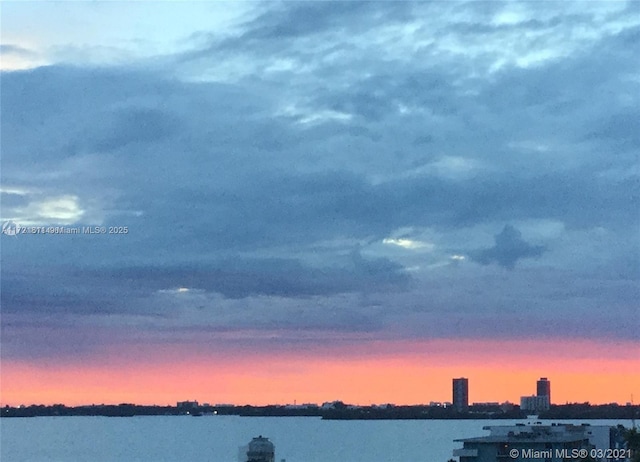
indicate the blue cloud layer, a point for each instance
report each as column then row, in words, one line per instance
column 271, row 163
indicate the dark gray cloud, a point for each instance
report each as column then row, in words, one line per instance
column 275, row 276
column 508, row 249
column 302, row 19
column 306, row 27
column 136, row 125
column 620, row 128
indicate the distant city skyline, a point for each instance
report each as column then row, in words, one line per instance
column 312, row 200
column 459, row 398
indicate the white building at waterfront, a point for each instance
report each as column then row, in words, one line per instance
column 551, row 443
column 534, row 403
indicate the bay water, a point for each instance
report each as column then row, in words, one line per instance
column 218, row 438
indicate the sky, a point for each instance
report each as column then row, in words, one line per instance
column 317, row 201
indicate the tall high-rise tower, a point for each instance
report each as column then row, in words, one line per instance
column 461, row 394
column 543, row 388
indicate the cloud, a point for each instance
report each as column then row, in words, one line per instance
column 273, row 163
column 12, row 49
column 509, row 248
column 134, row 125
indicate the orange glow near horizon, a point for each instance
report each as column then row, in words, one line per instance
column 393, row 372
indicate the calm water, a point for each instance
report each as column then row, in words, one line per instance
column 217, row 438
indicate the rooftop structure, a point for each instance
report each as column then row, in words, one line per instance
column 552, row 443
column 259, row 449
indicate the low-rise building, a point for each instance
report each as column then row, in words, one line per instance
column 534, row 403
column 187, row 405
column 549, row 443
